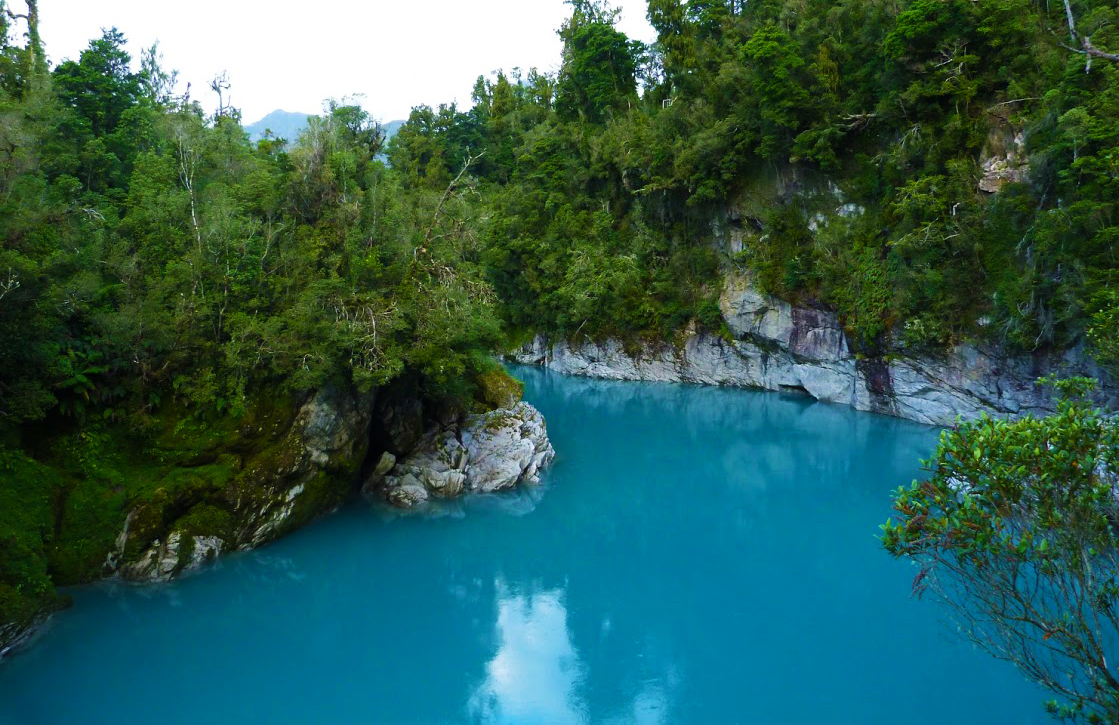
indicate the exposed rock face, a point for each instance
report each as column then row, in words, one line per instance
column 178, row 555
column 14, row 637
column 1003, row 161
column 477, row 453
column 776, row 346
column 306, row 469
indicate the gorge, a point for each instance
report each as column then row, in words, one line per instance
column 254, row 416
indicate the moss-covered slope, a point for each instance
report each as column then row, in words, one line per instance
column 79, row 503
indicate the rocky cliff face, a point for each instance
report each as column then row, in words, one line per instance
column 242, row 487
column 284, row 466
column 776, row 346
column 303, row 467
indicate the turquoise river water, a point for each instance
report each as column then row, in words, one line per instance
column 695, row 555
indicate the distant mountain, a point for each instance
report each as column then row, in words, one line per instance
column 285, row 124
column 289, row 125
column 390, row 130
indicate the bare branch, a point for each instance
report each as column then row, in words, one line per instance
column 1086, row 47
column 1071, row 21
column 11, row 285
column 447, row 194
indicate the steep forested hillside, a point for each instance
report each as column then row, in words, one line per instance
column 934, row 170
column 169, row 291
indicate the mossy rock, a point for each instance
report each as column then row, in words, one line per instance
column 206, row 520
column 323, row 493
column 66, row 502
column 498, row 389
column 189, row 440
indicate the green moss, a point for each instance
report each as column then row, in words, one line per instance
column 26, row 523
column 206, row 520
column 186, row 550
column 498, row 389
column 147, row 524
column 182, row 438
column 497, row 420
column 321, row 494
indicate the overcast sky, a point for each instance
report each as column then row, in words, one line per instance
column 293, row 54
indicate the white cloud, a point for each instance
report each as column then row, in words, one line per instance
column 292, row 55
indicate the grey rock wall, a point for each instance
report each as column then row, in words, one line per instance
column 776, row 346
column 322, row 449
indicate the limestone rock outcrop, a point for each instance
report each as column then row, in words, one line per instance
column 178, row 555
column 299, row 469
column 479, row 453
column 777, row 346
column 1004, row 160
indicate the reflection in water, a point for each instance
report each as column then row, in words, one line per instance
column 521, row 501
column 535, row 674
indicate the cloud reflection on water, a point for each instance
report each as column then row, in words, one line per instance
column 538, row 676
column 535, row 675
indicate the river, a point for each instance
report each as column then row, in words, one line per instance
column 695, row 555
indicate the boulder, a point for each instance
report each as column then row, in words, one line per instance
column 479, row 453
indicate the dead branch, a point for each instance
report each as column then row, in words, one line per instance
column 1086, row 48
column 858, row 120
column 447, row 195
column 11, row 285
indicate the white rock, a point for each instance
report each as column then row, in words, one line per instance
column 483, row 453
column 781, row 347
column 163, row 561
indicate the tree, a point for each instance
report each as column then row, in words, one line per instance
column 101, row 90
column 1016, row 532
column 600, row 63
column 675, row 38
column 1085, row 41
column 36, row 60
column 780, row 90
column 101, row 85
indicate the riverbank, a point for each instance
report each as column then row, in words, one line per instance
column 104, row 502
column 774, row 345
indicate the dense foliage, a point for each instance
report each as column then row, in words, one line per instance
column 165, row 285
column 151, row 251
column 1016, row 532
column 832, row 149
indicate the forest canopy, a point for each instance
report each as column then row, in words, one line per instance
column 933, row 170
column 151, row 251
